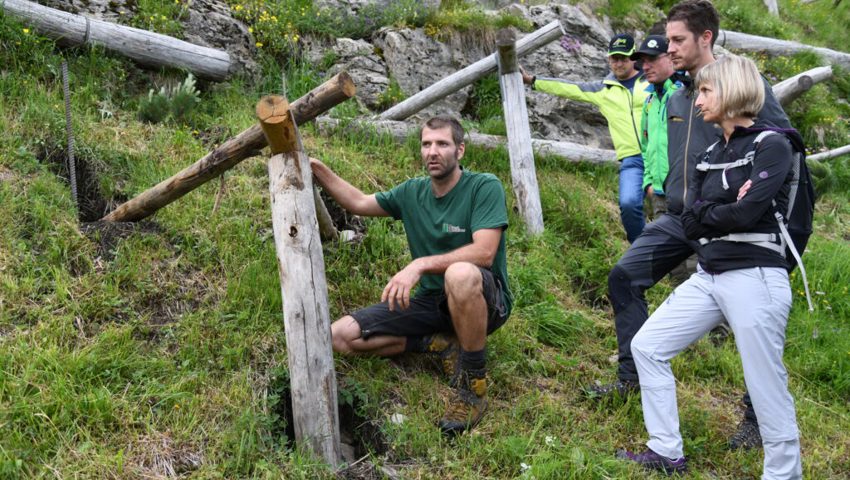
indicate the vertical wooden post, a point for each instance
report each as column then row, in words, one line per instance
column 523, row 173
column 303, row 286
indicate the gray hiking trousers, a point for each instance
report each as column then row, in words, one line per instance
column 756, row 302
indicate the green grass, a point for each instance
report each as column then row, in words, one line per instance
column 126, row 349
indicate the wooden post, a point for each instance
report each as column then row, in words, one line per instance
column 523, row 173
column 147, row 48
column 790, row 89
column 303, row 286
column 772, row 7
column 230, row 153
column 470, row 74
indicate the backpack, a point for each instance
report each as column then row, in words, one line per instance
column 796, row 222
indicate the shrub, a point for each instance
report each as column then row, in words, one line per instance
column 154, row 108
column 176, row 103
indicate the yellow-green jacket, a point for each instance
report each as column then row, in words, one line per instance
column 620, row 106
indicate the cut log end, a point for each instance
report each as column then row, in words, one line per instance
column 346, row 84
column 277, row 124
column 505, row 36
column 272, row 109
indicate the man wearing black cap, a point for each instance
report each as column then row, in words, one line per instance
column 659, row 72
column 620, row 98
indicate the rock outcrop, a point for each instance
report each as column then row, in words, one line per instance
column 412, row 59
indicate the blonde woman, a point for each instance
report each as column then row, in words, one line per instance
column 742, row 274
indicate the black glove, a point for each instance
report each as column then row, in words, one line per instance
column 694, row 230
column 700, row 207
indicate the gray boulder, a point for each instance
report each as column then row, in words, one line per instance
column 357, row 57
column 416, row 61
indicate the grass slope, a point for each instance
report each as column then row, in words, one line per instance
column 156, row 350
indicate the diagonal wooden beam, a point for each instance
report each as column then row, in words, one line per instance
column 230, row 153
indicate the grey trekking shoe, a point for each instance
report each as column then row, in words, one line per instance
column 746, row 436
column 720, row 333
column 620, row 388
column 653, row 461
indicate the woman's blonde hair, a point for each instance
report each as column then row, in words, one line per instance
column 737, row 83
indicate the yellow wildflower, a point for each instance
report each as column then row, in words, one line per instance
column 26, row 31
column 259, row 44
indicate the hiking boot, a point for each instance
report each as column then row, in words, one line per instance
column 746, row 436
column 468, row 404
column 448, row 349
column 653, row 461
column 620, row 388
column 720, row 333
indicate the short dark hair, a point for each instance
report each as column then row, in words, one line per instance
column 658, row 28
column 698, row 16
column 443, row 121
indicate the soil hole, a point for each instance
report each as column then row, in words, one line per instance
column 359, row 435
column 91, row 203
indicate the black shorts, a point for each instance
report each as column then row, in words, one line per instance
column 429, row 313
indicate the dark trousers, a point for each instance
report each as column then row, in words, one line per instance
column 658, row 250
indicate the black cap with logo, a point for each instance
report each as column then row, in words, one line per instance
column 653, row 46
column 621, row 44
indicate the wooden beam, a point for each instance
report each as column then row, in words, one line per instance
column 400, row 131
column 523, row 172
column 772, row 46
column 147, row 48
column 230, row 153
column 470, row 74
column 790, row 89
column 303, row 285
column 845, row 150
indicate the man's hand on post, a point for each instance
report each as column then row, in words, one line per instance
column 526, row 78
column 397, row 291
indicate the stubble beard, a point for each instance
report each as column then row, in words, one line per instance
column 448, row 171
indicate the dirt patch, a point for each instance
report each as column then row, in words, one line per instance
column 91, row 204
column 107, row 235
column 6, row 175
column 158, row 455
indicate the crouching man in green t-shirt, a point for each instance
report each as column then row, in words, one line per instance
column 455, row 221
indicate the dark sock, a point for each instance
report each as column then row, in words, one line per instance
column 416, row 344
column 473, row 360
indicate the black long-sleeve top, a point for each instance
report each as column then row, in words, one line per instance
column 719, row 212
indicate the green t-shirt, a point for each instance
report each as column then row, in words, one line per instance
column 436, row 226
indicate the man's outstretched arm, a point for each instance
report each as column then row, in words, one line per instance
column 346, row 194
column 481, row 252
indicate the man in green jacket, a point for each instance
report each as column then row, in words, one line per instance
column 663, row 81
column 620, row 98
